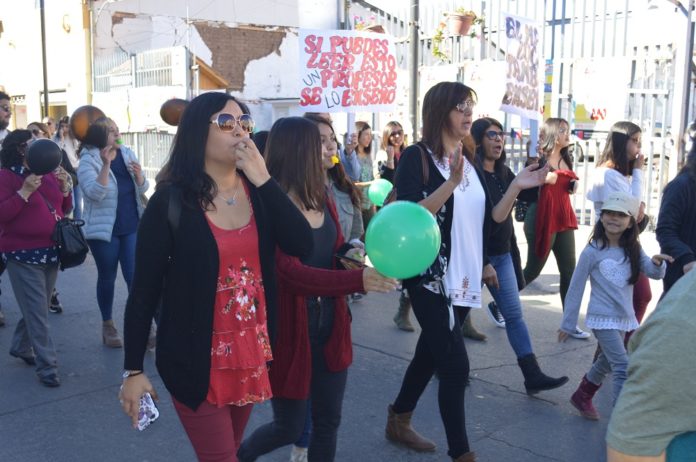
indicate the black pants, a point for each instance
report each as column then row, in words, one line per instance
column 438, row 349
column 326, row 394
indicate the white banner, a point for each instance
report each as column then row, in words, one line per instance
column 523, row 84
column 347, row 71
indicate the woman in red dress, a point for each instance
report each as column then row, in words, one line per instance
column 550, row 222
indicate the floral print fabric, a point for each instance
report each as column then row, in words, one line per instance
column 240, row 343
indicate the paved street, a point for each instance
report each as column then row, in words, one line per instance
column 82, row 420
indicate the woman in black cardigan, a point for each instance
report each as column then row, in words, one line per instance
column 676, row 223
column 443, row 295
column 214, row 184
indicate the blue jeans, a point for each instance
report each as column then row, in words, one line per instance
column 612, row 358
column 107, row 256
column 507, row 297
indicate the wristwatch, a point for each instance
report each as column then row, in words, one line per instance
column 127, row 374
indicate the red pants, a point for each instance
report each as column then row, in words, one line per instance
column 641, row 297
column 215, row 432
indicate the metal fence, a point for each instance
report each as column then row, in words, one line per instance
column 148, row 68
column 151, row 148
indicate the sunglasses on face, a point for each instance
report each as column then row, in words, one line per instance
column 397, row 133
column 226, row 122
column 37, row 132
column 466, row 106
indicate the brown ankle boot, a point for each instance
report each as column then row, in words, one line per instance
column 401, row 319
column 399, row 430
column 469, row 331
column 467, row 457
column 110, row 335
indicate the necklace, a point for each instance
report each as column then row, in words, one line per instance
column 231, row 200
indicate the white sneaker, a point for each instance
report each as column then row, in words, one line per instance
column 580, row 334
column 298, row 454
column 495, row 315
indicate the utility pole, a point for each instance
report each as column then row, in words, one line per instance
column 688, row 62
column 413, row 65
column 43, row 55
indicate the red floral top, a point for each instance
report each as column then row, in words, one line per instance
column 240, row 343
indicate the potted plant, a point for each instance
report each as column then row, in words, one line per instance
column 461, row 20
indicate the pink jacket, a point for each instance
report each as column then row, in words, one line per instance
column 29, row 225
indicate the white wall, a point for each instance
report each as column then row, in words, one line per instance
column 20, row 53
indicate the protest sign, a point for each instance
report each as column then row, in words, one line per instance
column 523, row 79
column 347, row 71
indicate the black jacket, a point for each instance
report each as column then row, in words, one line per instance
column 409, row 187
column 676, row 226
column 181, row 267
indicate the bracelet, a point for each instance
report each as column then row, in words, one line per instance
column 127, row 374
column 25, row 199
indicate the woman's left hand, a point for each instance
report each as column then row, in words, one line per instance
column 64, row 180
column 137, row 170
column 660, row 257
column 490, row 277
column 250, row 161
column 531, row 176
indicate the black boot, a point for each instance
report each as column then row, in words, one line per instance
column 535, row 380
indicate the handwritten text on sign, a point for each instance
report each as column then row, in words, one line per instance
column 347, row 71
column 523, row 85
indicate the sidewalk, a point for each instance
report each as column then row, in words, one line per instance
column 82, row 420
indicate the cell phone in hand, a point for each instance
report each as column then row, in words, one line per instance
column 147, row 413
column 350, row 263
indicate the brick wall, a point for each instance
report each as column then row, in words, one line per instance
column 233, row 48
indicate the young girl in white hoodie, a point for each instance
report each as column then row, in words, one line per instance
column 612, row 260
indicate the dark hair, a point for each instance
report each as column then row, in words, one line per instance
column 4, row 95
column 337, row 173
column 293, row 158
column 13, row 148
column 438, row 102
column 614, row 153
column 361, row 126
column 478, row 133
column 386, row 135
column 185, row 166
column 628, row 242
column 97, row 134
column 259, row 138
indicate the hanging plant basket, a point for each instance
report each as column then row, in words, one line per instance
column 460, row 24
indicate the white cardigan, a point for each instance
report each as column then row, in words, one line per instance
column 100, row 201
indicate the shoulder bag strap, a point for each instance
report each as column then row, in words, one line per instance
column 50, row 207
column 174, row 210
column 426, row 165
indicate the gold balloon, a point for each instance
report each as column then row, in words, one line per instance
column 172, row 109
column 82, row 118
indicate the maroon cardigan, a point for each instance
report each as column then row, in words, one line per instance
column 29, row 225
column 291, row 369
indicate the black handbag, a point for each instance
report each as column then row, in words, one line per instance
column 68, row 236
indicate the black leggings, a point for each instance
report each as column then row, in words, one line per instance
column 288, row 423
column 439, row 349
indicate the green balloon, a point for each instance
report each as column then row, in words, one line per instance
column 402, row 240
column 378, row 191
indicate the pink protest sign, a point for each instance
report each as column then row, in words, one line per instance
column 347, row 71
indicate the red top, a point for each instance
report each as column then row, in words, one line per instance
column 554, row 212
column 240, row 345
column 291, row 370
